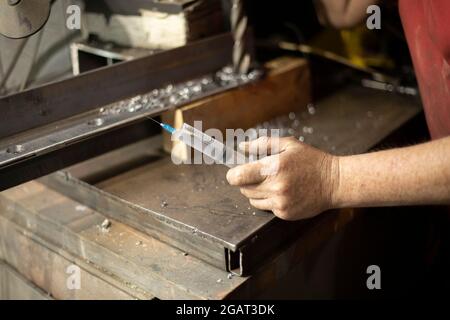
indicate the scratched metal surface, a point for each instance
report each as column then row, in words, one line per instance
column 351, row 121
column 196, row 195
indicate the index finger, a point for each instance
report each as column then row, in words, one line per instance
column 245, row 174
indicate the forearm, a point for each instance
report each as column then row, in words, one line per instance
column 406, row 176
column 342, row 13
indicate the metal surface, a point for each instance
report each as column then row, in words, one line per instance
column 239, row 22
column 71, row 230
column 389, row 87
column 51, row 118
column 127, row 8
column 350, row 121
column 12, row 65
column 105, row 50
column 203, row 202
column 203, row 215
column 37, row 166
column 193, row 208
column 23, row 18
column 40, row 227
column 56, row 101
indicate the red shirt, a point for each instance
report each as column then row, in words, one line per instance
column 427, row 28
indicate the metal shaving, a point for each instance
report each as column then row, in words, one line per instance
column 105, row 226
column 175, row 95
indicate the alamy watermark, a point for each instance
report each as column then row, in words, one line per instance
column 73, row 21
column 73, row 281
column 374, row 280
column 236, row 147
column 373, row 22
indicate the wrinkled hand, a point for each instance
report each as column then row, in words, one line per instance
column 296, row 182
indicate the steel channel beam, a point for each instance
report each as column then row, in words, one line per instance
column 38, row 166
column 172, row 232
column 49, row 119
column 56, row 101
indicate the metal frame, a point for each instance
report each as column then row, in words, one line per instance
column 165, row 6
column 80, row 51
column 239, row 257
column 39, row 122
column 56, row 101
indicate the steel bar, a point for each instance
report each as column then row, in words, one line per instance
column 51, row 118
column 56, row 101
column 120, row 6
column 37, row 166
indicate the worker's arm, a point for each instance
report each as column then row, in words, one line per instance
column 342, row 13
column 308, row 181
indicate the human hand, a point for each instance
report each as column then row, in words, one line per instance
column 297, row 182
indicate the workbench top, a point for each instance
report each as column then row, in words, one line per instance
column 43, row 231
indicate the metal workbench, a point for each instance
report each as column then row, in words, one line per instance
column 176, row 230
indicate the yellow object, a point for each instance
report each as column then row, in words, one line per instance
column 354, row 39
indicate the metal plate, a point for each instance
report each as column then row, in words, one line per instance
column 22, row 18
column 195, row 195
column 193, row 208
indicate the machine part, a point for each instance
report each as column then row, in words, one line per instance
column 86, row 92
column 37, row 46
column 23, row 18
column 36, row 166
column 389, row 87
column 115, row 115
column 83, row 55
column 239, row 24
column 13, row 64
column 306, row 49
column 123, row 8
column 59, row 116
